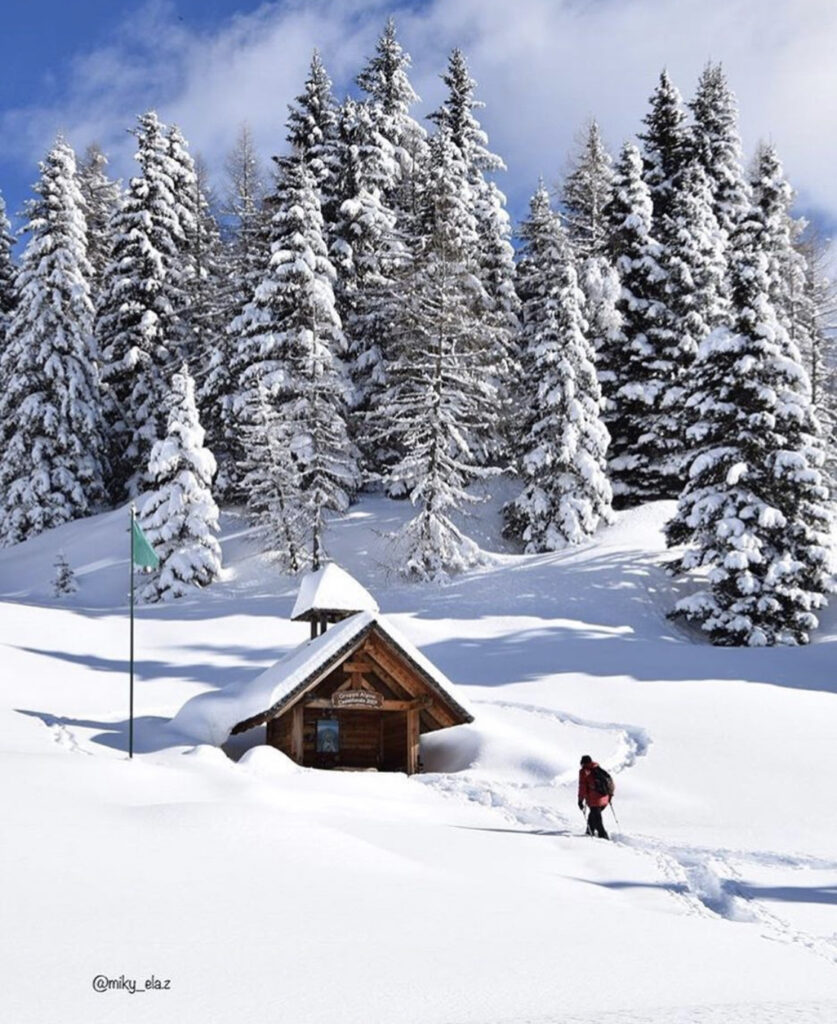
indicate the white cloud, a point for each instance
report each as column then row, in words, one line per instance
column 543, row 67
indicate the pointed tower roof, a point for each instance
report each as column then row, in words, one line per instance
column 332, row 593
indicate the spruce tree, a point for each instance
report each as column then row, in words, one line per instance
column 241, row 268
column 290, row 343
column 566, row 494
column 754, row 511
column 64, row 581
column 819, row 310
column 138, row 326
column 585, row 192
column 628, row 362
column 51, row 461
column 385, row 80
column 179, row 515
column 101, row 196
column 8, row 288
column 440, row 407
column 494, row 252
column 312, row 128
column 786, row 264
column 693, row 265
column 716, row 145
column 366, row 251
column 196, row 271
column 666, row 147
column 271, row 479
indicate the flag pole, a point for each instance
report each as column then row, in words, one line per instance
column 131, row 689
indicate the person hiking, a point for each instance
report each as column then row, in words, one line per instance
column 594, row 789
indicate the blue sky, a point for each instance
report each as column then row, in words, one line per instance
column 87, row 67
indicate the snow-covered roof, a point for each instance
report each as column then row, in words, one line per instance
column 331, row 589
column 212, row 716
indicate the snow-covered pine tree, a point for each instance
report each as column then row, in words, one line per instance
column 566, row 493
column 385, row 80
column 494, row 254
column 50, row 424
column 8, row 288
column 754, row 511
column 312, row 129
column 64, row 581
column 179, row 515
column 716, row 145
column 101, row 196
column 786, row 265
column 196, row 270
column 439, row 409
column 693, row 264
column 820, row 327
column 243, row 264
column 585, row 192
column 627, row 360
column 290, row 343
column 666, row 147
column 137, row 324
column 366, row 251
column 271, row 480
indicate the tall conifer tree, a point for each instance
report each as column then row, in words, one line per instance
column 179, row 515
column 628, row 359
column 585, row 193
column 385, row 80
column 290, row 342
column 366, row 251
column 754, row 511
column 494, row 252
column 716, row 145
column 242, row 265
column 666, row 147
column 440, row 407
column 51, row 453
column 8, row 288
column 101, row 196
column 138, row 325
column 566, row 494
column 312, row 128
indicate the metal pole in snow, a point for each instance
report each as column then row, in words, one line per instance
column 131, row 690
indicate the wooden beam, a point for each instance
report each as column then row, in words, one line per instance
column 358, row 665
column 403, row 676
column 296, row 733
column 390, row 681
column 412, row 741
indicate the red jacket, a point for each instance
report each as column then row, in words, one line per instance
column 587, row 790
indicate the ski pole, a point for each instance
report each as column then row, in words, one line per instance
column 614, row 815
column 583, row 815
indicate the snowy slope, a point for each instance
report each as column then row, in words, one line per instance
column 466, row 894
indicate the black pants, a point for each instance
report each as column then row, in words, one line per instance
column 595, row 825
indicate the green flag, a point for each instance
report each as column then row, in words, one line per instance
column 144, row 555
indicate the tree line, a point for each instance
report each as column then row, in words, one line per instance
column 360, row 319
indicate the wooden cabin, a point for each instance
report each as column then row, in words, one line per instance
column 358, row 694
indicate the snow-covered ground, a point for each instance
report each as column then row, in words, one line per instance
column 467, row 894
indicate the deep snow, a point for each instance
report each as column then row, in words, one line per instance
column 467, row 894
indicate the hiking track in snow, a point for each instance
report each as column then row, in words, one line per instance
column 704, row 880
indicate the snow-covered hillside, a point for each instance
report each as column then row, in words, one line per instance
column 466, row 895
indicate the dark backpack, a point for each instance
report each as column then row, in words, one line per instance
column 602, row 782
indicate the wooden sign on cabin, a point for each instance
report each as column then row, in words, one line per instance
column 357, row 699
column 357, row 694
